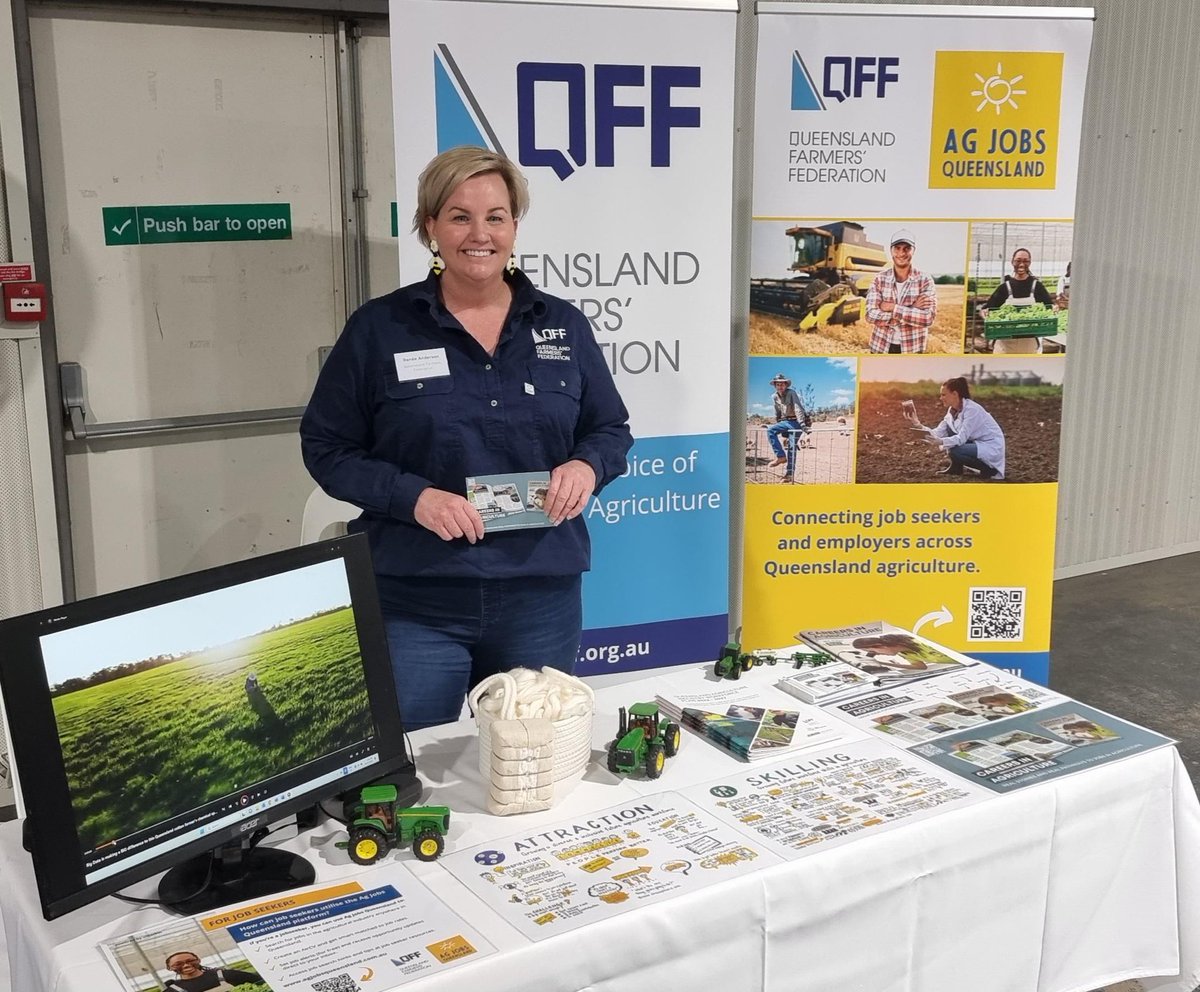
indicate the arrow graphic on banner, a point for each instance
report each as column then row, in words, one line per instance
column 939, row 617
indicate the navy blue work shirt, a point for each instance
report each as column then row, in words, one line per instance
column 377, row 440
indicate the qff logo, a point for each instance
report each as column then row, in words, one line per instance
column 658, row 112
column 843, row 77
column 633, row 97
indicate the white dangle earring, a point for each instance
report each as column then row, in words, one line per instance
column 436, row 262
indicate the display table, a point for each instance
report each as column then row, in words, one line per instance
column 1064, row 886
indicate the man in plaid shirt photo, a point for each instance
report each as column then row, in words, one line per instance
column 901, row 302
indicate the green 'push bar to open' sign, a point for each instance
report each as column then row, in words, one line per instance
column 159, row 225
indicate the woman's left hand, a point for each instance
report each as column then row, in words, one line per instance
column 571, row 486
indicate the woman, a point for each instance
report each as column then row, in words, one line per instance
column 1021, row 289
column 471, row 372
column 968, row 434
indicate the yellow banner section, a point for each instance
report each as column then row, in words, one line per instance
column 979, row 553
column 995, row 120
column 280, row 905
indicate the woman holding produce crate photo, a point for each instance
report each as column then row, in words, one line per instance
column 1021, row 289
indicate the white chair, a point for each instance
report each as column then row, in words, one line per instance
column 325, row 517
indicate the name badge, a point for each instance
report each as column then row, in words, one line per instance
column 427, row 364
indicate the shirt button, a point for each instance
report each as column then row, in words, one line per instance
column 494, row 403
column 561, row 383
column 488, row 367
column 420, row 385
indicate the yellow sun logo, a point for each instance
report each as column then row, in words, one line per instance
column 997, row 91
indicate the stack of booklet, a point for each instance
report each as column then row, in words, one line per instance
column 746, row 732
column 748, row 718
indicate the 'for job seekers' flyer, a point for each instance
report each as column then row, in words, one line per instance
column 384, row 929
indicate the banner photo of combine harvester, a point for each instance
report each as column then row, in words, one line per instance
column 910, row 271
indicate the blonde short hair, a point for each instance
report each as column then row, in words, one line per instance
column 456, row 165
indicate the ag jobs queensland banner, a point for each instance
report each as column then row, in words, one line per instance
column 914, row 185
column 622, row 120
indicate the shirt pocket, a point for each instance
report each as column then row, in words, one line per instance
column 415, row 389
column 417, row 422
column 557, row 390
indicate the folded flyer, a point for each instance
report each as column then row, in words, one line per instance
column 511, row 501
column 826, row 683
column 1038, row 745
column 923, row 711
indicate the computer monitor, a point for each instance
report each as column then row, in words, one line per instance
column 174, row 719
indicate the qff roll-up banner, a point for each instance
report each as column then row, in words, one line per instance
column 621, row 117
column 914, row 191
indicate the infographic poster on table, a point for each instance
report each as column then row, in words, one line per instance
column 552, row 880
column 830, row 797
column 914, row 187
column 621, row 117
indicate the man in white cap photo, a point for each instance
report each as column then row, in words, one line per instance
column 789, row 417
column 901, row 303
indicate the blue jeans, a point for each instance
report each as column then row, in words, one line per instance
column 968, row 454
column 447, row 635
column 783, row 427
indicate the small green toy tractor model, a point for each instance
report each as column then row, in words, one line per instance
column 643, row 741
column 377, row 825
column 732, row 662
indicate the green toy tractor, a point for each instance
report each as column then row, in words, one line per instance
column 643, row 741
column 731, row 662
column 377, row 825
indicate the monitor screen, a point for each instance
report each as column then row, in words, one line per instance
column 163, row 721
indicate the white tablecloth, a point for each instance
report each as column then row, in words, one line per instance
column 1064, row 886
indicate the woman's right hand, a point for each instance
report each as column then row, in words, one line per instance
column 448, row 515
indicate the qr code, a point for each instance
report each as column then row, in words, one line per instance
column 338, row 983
column 996, row 614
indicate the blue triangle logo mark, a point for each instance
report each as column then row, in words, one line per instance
column 804, row 91
column 455, row 126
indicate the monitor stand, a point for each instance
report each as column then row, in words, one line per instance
column 235, row 872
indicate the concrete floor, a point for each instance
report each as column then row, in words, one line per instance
column 1125, row 641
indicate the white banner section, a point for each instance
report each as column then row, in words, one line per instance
column 622, row 120
column 908, row 111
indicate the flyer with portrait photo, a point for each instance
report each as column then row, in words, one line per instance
column 385, row 925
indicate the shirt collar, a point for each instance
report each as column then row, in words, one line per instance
column 526, row 298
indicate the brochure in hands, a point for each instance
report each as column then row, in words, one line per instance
column 511, row 501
